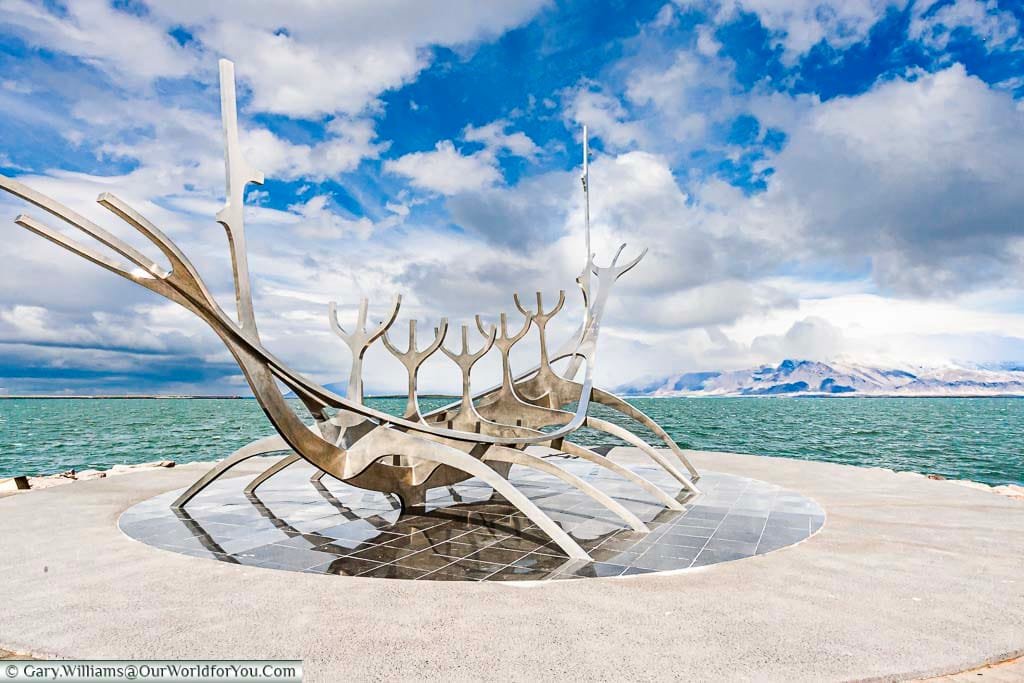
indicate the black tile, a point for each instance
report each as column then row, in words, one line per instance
column 453, row 549
column 517, row 573
column 345, row 566
column 545, row 563
column 497, row 555
column 358, row 531
column 526, row 544
column 599, row 569
column 425, row 560
column 463, row 570
column 393, row 571
column 383, row 553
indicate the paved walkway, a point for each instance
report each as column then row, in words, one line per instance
column 908, row 578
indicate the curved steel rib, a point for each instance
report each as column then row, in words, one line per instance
column 271, row 471
column 514, row 457
column 570, row 448
column 629, row 410
column 383, row 440
column 262, row 446
column 633, row 440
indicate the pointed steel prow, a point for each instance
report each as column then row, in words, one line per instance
column 238, row 174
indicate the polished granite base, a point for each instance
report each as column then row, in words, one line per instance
column 468, row 532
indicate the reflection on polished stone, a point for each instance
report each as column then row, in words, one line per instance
column 467, row 532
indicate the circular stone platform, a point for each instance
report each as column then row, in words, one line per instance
column 469, row 533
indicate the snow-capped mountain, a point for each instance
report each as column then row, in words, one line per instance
column 805, row 377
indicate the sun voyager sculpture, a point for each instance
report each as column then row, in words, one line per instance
column 481, row 435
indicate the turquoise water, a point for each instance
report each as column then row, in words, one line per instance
column 979, row 439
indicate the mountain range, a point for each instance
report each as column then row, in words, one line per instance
column 813, row 378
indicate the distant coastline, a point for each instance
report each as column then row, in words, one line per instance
column 807, row 378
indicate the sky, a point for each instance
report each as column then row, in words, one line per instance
column 821, row 179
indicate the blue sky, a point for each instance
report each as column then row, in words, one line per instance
column 836, row 180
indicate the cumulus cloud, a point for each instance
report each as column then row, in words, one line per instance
column 921, row 176
column 934, row 22
column 523, row 218
column 353, row 51
column 799, row 25
column 445, row 170
column 814, row 338
column 318, row 221
column 495, row 137
column 142, row 50
column 603, row 114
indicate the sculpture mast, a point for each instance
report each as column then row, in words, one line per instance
column 238, row 175
column 585, row 179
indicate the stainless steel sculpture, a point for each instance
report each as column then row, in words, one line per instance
column 481, row 435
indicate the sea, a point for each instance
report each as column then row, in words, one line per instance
column 981, row 439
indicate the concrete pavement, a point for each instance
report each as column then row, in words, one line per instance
column 908, row 578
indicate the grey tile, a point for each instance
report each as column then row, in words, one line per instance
column 709, row 556
column 682, row 540
column 741, row 547
column 255, row 540
column 282, row 557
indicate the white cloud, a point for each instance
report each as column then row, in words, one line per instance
column 352, row 51
column 127, row 46
column 604, row 115
column 494, row 137
column 687, row 95
column 921, row 176
column 810, row 338
column 799, row 25
column 867, row 328
column 934, row 23
column 348, row 142
column 445, row 170
column 320, row 222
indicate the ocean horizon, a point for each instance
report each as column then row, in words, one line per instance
column 958, row 438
